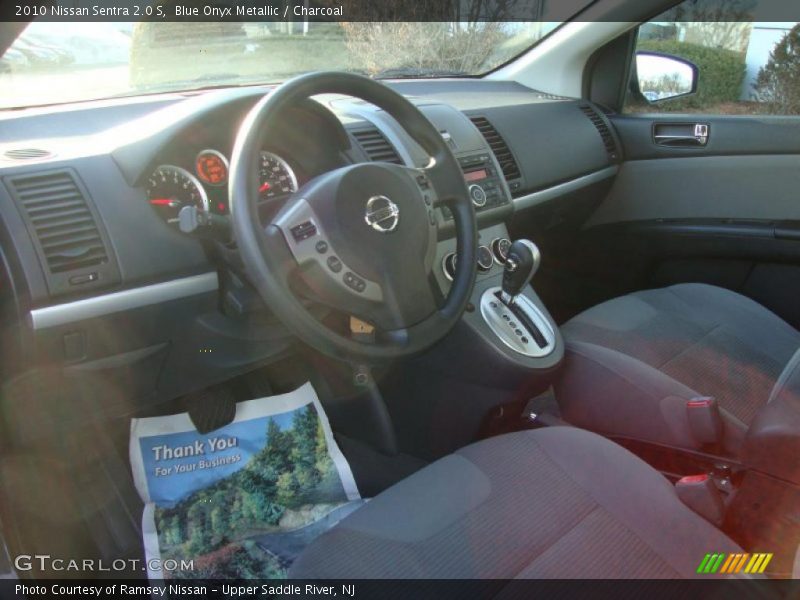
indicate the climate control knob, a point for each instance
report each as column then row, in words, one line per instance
column 449, row 266
column 485, row 258
column 500, row 248
column 478, row 195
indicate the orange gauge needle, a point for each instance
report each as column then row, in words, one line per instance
column 264, row 187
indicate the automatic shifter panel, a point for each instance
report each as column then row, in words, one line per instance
column 522, row 327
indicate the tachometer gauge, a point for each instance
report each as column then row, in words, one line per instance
column 171, row 188
column 211, row 167
column 276, row 177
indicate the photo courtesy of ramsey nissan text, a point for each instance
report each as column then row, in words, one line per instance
column 431, row 299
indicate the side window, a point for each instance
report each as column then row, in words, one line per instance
column 731, row 64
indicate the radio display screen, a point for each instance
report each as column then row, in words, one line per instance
column 476, row 175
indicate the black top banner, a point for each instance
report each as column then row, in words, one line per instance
column 291, row 10
column 393, row 10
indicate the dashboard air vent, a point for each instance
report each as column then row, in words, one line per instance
column 26, row 153
column 603, row 129
column 376, row 146
column 68, row 236
column 498, row 145
column 60, row 220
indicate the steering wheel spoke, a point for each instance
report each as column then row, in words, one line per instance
column 321, row 266
column 284, row 265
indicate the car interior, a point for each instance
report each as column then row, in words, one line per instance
column 554, row 337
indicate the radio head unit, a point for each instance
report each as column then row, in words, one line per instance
column 484, row 182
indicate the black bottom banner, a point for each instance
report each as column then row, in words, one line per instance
column 76, row 589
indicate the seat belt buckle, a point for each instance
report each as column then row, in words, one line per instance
column 705, row 421
column 699, row 493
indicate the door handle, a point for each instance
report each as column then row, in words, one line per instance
column 682, row 135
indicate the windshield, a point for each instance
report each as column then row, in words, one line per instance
column 56, row 62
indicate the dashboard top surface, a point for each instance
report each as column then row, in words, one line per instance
column 93, row 117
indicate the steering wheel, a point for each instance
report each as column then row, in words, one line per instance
column 362, row 237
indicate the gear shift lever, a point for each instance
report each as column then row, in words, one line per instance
column 518, row 320
column 522, row 262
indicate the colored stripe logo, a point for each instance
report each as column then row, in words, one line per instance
column 722, row 563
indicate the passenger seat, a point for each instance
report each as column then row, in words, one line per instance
column 634, row 363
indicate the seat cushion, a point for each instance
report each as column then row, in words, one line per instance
column 693, row 340
column 773, row 441
column 551, row 503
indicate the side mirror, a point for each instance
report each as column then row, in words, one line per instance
column 663, row 77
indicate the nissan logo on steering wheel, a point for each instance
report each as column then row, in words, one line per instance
column 382, row 214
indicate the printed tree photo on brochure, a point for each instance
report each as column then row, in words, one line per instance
column 225, row 525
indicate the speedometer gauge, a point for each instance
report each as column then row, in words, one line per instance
column 276, row 177
column 170, row 188
column 211, row 167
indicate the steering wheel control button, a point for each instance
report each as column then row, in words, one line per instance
column 500, row 248
column 485, row 258
column 354, row 282
column 303, row 231
column 334, row 264
column 478, row 195
column 322, row 246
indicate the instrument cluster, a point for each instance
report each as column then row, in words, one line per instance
column 171, row 187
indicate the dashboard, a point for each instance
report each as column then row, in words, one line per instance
column 101, row 281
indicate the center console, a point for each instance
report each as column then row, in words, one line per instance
column 500, row 353
column 506, row 334
column 501, row 340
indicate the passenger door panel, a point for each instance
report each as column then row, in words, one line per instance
column 725, row 213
